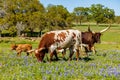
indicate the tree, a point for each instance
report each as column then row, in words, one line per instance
column 101, row 14
column 37, row 20
column 117, row 19
column 20, row 11
column 58, row 16
column 81, row 13
column 109, row 15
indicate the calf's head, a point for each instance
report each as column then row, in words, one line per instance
column 13, row 47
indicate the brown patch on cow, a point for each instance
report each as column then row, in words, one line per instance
column 47, row 40
column 74, row 35
column 61, row 37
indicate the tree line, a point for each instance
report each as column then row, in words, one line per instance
column 18, row 16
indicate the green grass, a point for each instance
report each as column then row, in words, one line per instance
column 105, row 65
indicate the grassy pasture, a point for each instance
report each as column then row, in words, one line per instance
column 105, row 65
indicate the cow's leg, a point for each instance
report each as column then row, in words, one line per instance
column 77, row 54
column 27, row 53
column 63, row 54
column 55, row 53
column 19, row 53
column 93, row 49
column 86, row 49
column 71, row 53
column 51, row 55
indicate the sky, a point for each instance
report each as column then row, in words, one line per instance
column 71, row 4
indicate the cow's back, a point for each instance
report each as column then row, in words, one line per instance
column 59, row 39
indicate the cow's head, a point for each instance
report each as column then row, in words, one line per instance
column 96, row 35
column 40, row 53
column 13, row 47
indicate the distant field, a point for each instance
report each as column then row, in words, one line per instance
column 105, row 65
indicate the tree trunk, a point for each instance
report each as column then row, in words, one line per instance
column 80, row 21
column 40, row 33
column 0, row 33
column 18, row 33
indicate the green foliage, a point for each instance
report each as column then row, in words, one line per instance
column 95, row 12
column 102, row 14
column 117, row 19
column 57, row 15
column 21, row 11
column 81, row 13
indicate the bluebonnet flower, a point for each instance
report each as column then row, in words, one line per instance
column 56, row 69
column 52, row 67
column 93, row 64
column 104, row 75
column 66, row 73
column 0, row 64
column 81, row 71
column 44, row 78
column 86, row 74
column 65, row 69
column 26, row 60
column 31, row 64
column 101, row 71
column 113, row 71
column 119, row 65
column 48, row 72
column 69, row 64
column 60, row 73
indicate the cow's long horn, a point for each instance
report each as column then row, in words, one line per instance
column 41, row 49
column 38, row 50
column 104, row 29
column 31, row 51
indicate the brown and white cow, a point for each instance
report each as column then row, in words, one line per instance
column 21, row 48
column 61, row 39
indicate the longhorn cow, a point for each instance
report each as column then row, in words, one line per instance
column 61, row 39
column 90, row 38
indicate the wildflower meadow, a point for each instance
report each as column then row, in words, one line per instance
column 104, row 65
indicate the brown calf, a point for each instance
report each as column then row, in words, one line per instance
column 21, row 48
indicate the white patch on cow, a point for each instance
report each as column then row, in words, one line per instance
column 53, row 47
column 60, row 50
